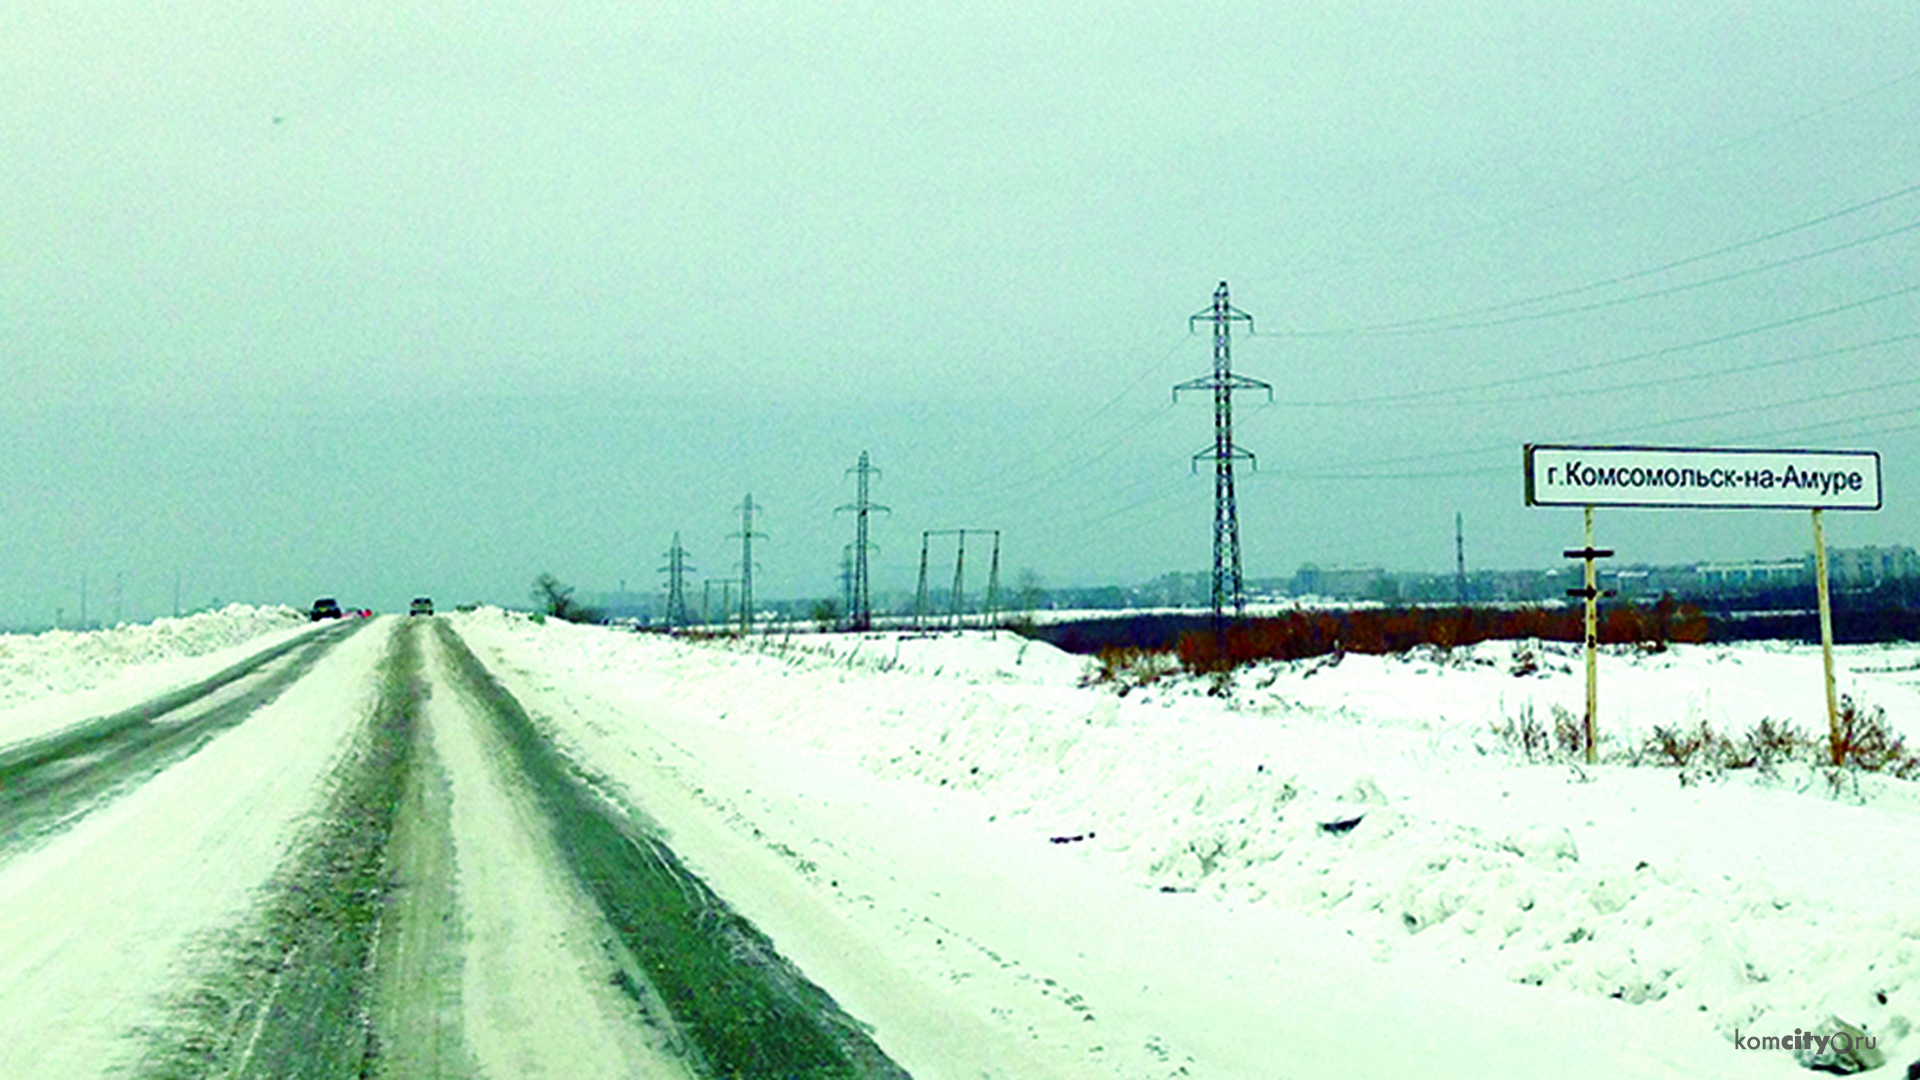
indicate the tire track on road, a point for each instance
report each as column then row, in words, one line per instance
column 744, row 1010
column 295, row 993
column 360, row 958
column 50, row 783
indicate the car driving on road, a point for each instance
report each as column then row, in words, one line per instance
column 422, row 605
column 325, row 608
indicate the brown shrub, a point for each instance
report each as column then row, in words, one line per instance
column 1868, row 744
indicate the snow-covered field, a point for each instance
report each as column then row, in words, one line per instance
column 1330, row 869
column 1164, row 857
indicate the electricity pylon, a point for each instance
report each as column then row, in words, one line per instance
column 676, row 571
column 957, row 596
column 859, row 604
column 1228, row 586
column 746, row 535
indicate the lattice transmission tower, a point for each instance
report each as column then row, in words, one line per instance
column 1228, row 586
column 676, row 571
column 859, row 599
column 746, row 535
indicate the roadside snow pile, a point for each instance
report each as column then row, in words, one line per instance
column 1374, row 791
column 66, row 661
column 991, row 657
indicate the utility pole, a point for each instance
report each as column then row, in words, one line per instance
column 1459, row 559
column 956, row 600
column 676, row 571
column 920, row 593
column 1228, row 586
column 959, row 590
column 846, row 579
column 706, row 600
column 746, row 535
column 860, row 604
column 1591, row 593
column 993, row 582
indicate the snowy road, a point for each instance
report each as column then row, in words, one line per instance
column 352, row 853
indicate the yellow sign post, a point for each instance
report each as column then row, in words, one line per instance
column 1591, row 591
column 1835, row 743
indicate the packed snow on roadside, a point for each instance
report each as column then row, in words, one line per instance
column 60, row 676
column 1373, row 796
column 107, row 922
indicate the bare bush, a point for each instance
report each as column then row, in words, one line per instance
column 1569, row 731
column 1868, row 744
column 1126, row 667
column 1526, row 734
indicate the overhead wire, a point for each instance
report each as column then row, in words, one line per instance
column 1425, row 324
column 1093, row 500
column 1671, row 290
column 1608, row 364
column 994, row 482
column 1745, row 369
column 1628, row 181
column 1671, row 379
column 1616, row 431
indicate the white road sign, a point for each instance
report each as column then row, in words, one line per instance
column 1703, row 477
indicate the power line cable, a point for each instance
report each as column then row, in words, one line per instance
column 1561, row 394
column 1628, row 181
column 1617, row 431
column 1424, row 324
column 1620, row 301
column 1603, row 365
column 995, row 481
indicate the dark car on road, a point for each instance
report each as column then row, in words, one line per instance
column 325, row 608
column 422, row 605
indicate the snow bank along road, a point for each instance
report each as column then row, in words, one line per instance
column 354, row 853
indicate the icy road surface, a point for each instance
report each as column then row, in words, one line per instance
column 352, row 853
column 475, row 845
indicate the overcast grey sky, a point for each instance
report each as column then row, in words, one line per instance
column 375, row 299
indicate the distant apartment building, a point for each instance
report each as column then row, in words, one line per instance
column 1753, row 575
column 1868, row 566
column 1847, row 568
column 1344, row 583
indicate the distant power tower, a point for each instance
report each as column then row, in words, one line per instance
column 676, row 571
column 859, row 600
column 746, row 535
column 1228, row 586
column 956, row 600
